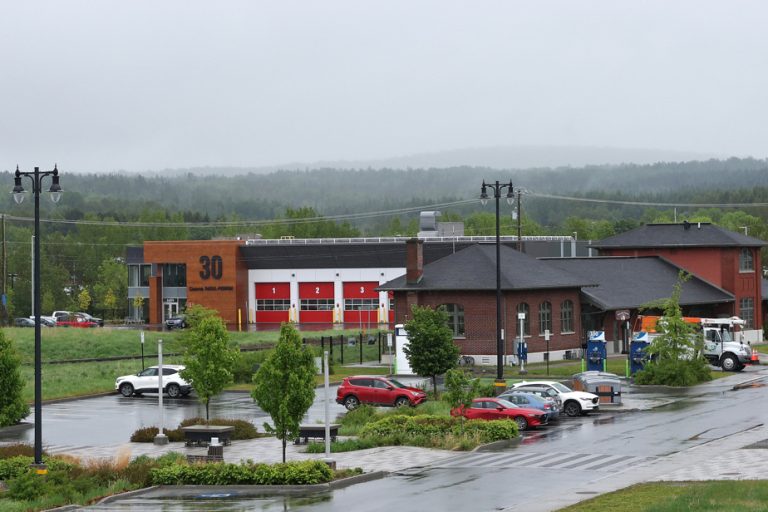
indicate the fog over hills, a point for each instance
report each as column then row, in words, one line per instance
column 496, row 157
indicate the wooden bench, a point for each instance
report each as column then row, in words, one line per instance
column 316, row 432
column 200, row 435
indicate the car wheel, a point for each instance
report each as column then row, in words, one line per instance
column 126, row 389
column 173, row 390
column 522, row 423
column 729, row 364
column 402, row 401
column 572, row 409
column 351, row 402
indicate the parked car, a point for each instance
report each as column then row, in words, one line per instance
column 74, row 320
column 176, row 322
column 45, row 321
column 361, row 389
column 575, row 403
column 533, row 401
column 90, row 318
column 545, row 392
column 148, row 380
column 23, row 322
column 500, row 409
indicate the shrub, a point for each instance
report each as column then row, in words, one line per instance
column 16, row 466
column 13, row 450
column 347, row 445
column 243, row 430
column 247, row 364
column 289, row 473
column 148, row 434
column 437, row 431
column 673, row 373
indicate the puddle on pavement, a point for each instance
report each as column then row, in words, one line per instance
column 673, row 406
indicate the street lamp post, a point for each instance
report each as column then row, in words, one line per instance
column 18, row 195
column 497, row 188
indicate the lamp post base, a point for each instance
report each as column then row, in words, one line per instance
column 161, row 439
column 499, row 386
column 40, row 469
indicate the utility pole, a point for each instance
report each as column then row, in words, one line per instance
column 5, row 273
column 519, row 223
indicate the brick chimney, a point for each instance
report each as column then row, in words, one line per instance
column 414, row 262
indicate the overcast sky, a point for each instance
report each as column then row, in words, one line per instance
column 146, row 85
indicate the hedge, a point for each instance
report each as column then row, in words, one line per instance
column 402, row 428
column 246, row 473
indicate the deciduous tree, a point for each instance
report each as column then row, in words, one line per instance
column 431, row 350
column 285, row 385
column 12, row 407
column 209, row 357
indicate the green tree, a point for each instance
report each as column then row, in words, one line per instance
column 84, row 299
column 12, row 407
column 459, row 389
column 209, row 358
column 138, row 304
column 431, row 350
column 676, row 353
column 285, row 385
column 110, row 302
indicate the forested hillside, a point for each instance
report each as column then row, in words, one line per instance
column 85, row 235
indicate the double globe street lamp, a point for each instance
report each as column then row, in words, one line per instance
column 18, row 195
column 497, row 189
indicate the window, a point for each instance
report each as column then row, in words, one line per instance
column 455, row 318
column 545, row 317
column 747, row 312
column 566, row 316
column 316, row 304
column 138, row 275
column 523, row 308
column 746, row 262
column 361, row 304
column 273, row 304
column 175, row 275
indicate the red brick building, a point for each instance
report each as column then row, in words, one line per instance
column 465, row 283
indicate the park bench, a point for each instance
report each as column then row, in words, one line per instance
column 200, row 435
column 316, row 432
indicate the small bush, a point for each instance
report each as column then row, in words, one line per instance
column 16, row 466
column 247, row 364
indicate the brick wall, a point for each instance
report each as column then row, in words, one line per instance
column 480, row 317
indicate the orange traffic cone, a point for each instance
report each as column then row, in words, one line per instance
column 755, row 359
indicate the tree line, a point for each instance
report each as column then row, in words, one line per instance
column 84, row 238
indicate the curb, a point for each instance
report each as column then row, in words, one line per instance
column 127, row 494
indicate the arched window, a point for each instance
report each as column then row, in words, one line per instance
column 746, row 262
column 545, row 317
column 566, row 316
column 523, row 308
column 455, row 318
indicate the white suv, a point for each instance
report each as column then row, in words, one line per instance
column 574, row 403
column 147, row 381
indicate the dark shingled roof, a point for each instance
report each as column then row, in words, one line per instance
column 694, row 234
column 474, row 268
column 626, row 283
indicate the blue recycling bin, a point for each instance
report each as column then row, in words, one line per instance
column 596, row 352
column 522, row 351
column 637, row 353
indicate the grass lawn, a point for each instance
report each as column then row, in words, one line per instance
column 720, row 496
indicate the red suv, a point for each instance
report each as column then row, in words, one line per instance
column 354, row 391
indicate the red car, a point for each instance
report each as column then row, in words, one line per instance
column 357, row 390
column 500, row 409
column 75, row 320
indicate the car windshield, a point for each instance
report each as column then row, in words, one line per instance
column 397, row 383
column 561, row 388
column 505, row 403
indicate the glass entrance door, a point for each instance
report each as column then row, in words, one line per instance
column 170, row 309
